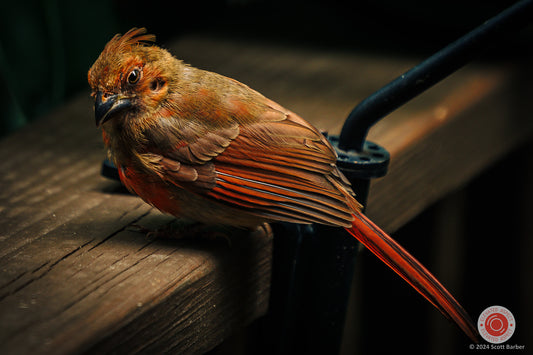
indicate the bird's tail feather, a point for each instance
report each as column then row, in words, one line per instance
column 412, row 271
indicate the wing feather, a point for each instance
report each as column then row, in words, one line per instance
column 276, row 167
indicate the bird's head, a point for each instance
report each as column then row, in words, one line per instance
column 130, row 75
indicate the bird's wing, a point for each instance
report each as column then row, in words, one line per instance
column 286, row 170
column 278, row 167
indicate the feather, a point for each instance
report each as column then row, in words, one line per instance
column 412, row 271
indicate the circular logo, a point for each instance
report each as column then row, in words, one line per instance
column 496, row 324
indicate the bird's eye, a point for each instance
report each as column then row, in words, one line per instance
column 134, row 76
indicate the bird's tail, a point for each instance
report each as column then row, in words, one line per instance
column 412, row 271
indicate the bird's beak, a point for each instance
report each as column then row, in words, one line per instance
column 106, row 106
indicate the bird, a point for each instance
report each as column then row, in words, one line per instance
column 200, row 145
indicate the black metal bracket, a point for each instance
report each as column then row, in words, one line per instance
column 372, row 161
column 313, row 265
column 109, row 170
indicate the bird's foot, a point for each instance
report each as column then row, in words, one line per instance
column 180, row 230
column 165, row 232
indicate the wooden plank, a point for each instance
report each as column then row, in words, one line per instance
column 75, row 279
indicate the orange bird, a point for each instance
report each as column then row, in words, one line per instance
column 197, row 144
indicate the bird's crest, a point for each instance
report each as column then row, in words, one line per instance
column 106, row 69
column 135, row 36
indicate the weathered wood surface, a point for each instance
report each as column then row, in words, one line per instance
column 75, row 278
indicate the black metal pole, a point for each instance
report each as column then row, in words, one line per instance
column 430, row 72
column 313, row 265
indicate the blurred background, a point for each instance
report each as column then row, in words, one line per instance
column 47, row 47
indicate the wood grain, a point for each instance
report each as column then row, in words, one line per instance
column 75, row 278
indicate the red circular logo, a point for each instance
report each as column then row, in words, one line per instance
column 496, row 324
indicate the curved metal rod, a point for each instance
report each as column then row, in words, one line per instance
column 430, row 72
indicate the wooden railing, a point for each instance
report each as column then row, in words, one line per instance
column 76, row 278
